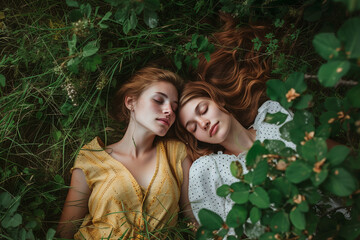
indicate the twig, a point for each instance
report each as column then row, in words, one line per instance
column 340, row 82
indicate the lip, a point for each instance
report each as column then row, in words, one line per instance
column 213, row 129
column 164, row 121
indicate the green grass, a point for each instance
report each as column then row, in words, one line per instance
column 50, row 108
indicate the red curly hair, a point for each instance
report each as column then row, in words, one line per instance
column 237, row 75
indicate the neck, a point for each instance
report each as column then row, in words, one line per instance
column 239, row 139
column 136, row 141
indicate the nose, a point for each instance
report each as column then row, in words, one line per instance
column 204, row 123
column 167, row 109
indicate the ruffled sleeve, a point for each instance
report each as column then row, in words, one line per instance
column 266, row 130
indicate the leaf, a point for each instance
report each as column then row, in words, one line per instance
column 151, row 18
column 333, row 104
column 14, row 206
column 268, row 236
column 340, row 182
column 236, row 216
column 91, row 63
column 12, row 221
column 255, row 214
column 276, row 91
column 5, row 199
column 241, row 192
column 331, row 72
column 327, row 45
column 296, row 81
column 303, row 102
column 276, row 197
column 72, row 3
column 274, row 146
column 133, row 20
column 50, row 234
column 297, row 172
column 337, row 154
column 349, row 33
column 153, row 5
column 75, row 15
column 203, row 233
column 223, row 190
column 90, row 49
column 283, row 185
column 319, row 178
column 275, row 118
column 260, row 172
column 352, row 96
column 314, row 150
column 260, row 198
column 210, row 220
column 280, row 222
column 72, row 44
column 2, row 80
column 297, row 218
column 255, row 153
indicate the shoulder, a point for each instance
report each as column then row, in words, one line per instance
column 173, row 144
column 215, row 161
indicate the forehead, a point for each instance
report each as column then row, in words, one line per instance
column 162, row 87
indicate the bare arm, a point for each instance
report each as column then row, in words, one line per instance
column 75, row 206
column 184, row 197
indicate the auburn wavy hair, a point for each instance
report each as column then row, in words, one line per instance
column 236, row 74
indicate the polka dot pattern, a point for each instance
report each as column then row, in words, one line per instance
column 212, row 171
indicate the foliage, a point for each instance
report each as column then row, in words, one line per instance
column 61, row 61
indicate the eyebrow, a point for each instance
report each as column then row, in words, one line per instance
column 163, row 94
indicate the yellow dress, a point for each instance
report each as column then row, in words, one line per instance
column 118, row 207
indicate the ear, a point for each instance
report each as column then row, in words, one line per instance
column 130, row 102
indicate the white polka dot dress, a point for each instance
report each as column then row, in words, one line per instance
column 209, row 172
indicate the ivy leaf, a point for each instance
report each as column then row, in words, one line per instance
column 349, row 33
column 255, row 214
column 337, row 154
column 327, row 45
column 280, row 222
column 260, row 198
column 210, row 220
column 151, row 18
column 275, row 118
column 340, row 182
column 331, row 72
column 223, row 190
column 297, row 218
column 90, row 49
column 240, row 192
column 297, row 172
column 236, row 216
